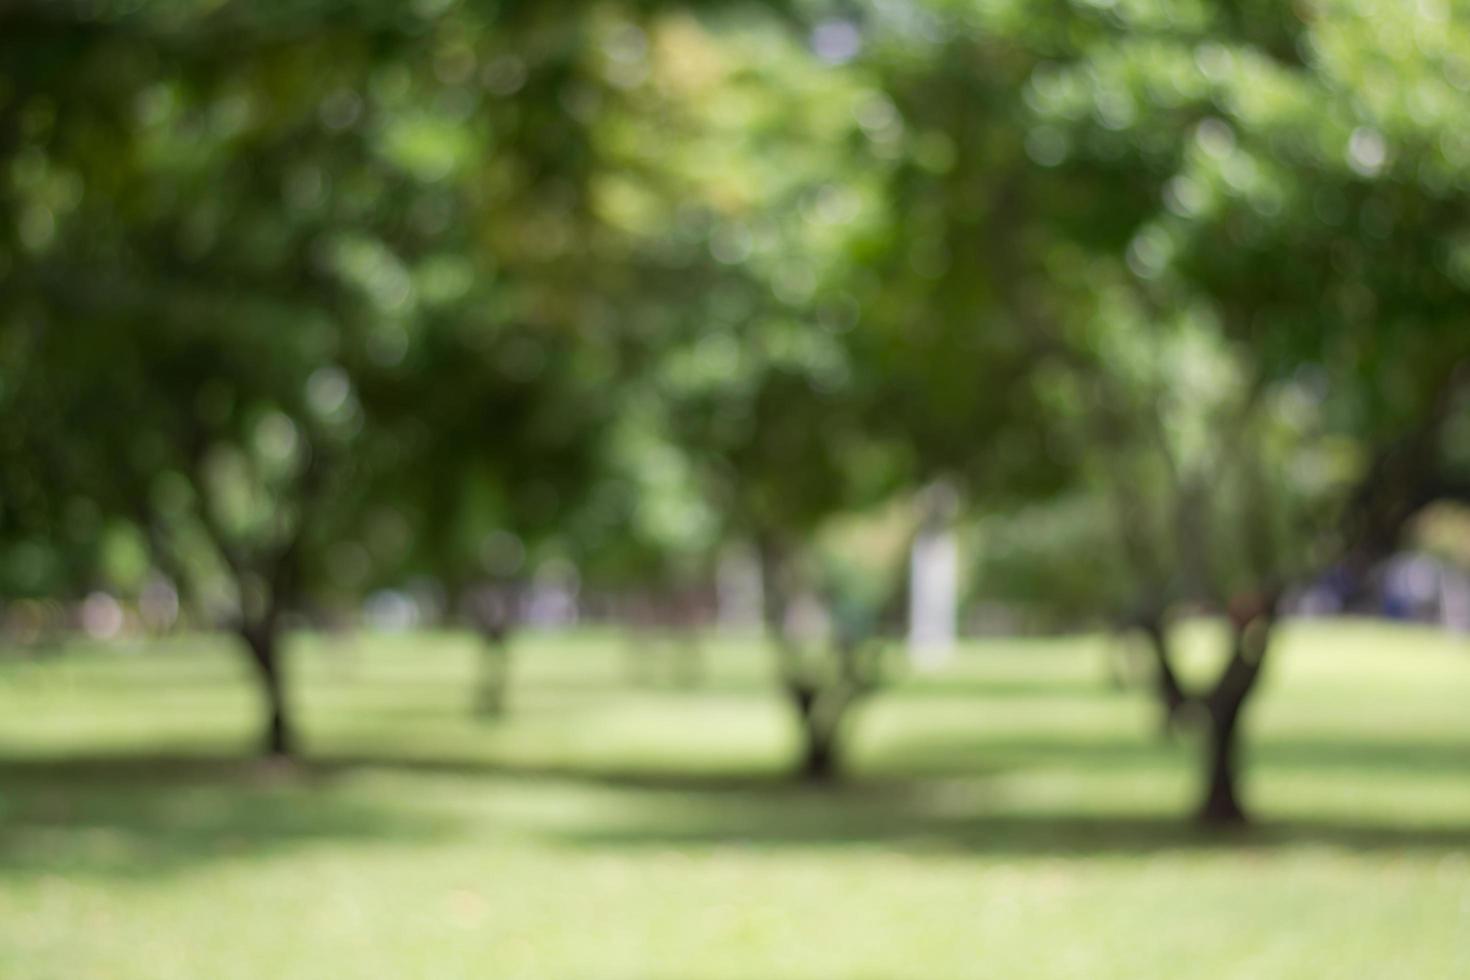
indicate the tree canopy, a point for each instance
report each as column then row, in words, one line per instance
column 303, row 300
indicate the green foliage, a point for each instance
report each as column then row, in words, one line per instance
column 1307, row 187
column 319, row 297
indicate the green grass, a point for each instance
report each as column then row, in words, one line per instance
column 1014, row 816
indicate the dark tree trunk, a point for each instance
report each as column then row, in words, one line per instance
column 819, row 701
column 262, row 640
column 1222, row 801
column 492, row 614
column 1166, row 682
column 819, row 757
column 494, row 673
column 1250, row 640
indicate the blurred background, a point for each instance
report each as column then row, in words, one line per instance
column 811, row 489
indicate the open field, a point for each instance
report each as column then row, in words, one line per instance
column 1015, row 816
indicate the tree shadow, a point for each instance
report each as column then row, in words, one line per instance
column 981, row 689
column 145, row 816
column 150, row 815
column 765, row 808
column 912, row 825
column 954, row 754
column 772, row 784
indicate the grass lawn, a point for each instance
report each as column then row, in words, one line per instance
column 1014, row 816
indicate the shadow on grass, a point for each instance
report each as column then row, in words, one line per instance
column 1010, row 834
column 144, row 816
column 954, row 754
column 765, row 810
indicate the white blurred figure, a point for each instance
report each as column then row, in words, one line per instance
column 934, row 580
column 1454, row 599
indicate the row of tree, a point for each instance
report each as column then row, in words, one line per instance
column 301, row 300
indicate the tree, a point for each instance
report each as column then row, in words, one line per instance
column 349, row 277
column 740, row 365
column 179, row 297
column 1305, row 226
column 229, row 263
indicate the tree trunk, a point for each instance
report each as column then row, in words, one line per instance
column 1166, row 682
column 1250, row 640
column 494, row 673
column 812, row 698
column 1221, row 805
column 491, row 613
column 262, row 640
column 819, row 758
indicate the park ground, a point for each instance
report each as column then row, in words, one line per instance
column 1016, row 815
